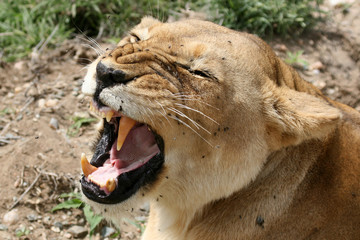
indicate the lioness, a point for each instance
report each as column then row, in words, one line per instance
column 223, row 139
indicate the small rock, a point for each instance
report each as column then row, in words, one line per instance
column 11, row 217
column 41, row 103
column 3, row 227
column 55, row 229
column 32, row 217
column 20, row 66
column 58, row 225
column 81, row 221
column 316, row 66
column 80, row 96
column 54, row 124
column 330, row 91
column 18, row 89
column 281, row 47
column 47, row 220
column 51, row 103
column 320, row 84
column 41, row 156
column 67, row 235
column 107, row 231
column 78, row 231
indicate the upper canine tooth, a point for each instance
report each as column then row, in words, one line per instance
column 125, row 125
column 87, row 168
column 109, row 115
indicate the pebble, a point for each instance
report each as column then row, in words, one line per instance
column 47, row 220
column 18, row 89
column 107, row 231
column 67, row 235
column 32, row 217
column 58, row 225
column 78, row 231
column 81, row 221
column 51, row 103
column 54, row 123
column 281, row 47
column 317, row 66
column 20, row 66
column 41, row 103
column 3, row 227
column 55, row 229
column 11, row 217
column 41, row 156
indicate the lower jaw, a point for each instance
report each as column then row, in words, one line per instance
column 128, row 183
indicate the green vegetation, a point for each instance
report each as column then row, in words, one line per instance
column 29, row 24
column 140, row 225
column 267, row 17
column 295, row 60
column 22, row 231
column 74, row 128
column 74, row 201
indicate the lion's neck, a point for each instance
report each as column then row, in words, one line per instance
column 247, row 210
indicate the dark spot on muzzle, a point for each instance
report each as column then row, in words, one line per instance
column 107, row 77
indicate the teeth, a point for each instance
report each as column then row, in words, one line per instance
column 109, row 115
column 125, row 126
column 87, row 168
column 110, row 184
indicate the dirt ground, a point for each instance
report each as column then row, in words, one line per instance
column 40, row 157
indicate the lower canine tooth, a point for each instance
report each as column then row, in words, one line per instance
column 87, row 168
column 110, row 184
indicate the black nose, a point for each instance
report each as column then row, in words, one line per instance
column 109, row 76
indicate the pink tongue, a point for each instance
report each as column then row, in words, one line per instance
column 139, row 147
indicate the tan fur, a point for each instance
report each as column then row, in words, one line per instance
column 278, row 159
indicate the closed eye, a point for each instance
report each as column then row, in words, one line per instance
column 134, row 38
column 199, row 73
column 204, row 74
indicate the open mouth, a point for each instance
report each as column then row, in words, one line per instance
column 128, row 156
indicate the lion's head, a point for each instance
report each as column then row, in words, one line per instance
column 192, row 110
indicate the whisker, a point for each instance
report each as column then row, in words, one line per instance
column 185, row 97
column 198, row 126
column 164, row 117
column 185, row 124
column 98, row 52
column 192, row 109
column 91, row 41
column 164, row 114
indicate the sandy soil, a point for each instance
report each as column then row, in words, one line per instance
column 37, row 150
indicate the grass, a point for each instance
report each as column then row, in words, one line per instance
column 74, row 201
column 78, row 122
column 26, row 24
column 294, row 59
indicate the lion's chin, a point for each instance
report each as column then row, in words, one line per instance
column 114, row 175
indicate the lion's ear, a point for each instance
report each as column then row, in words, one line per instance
column 293, row 117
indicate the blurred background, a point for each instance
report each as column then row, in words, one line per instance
column 45, row 123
